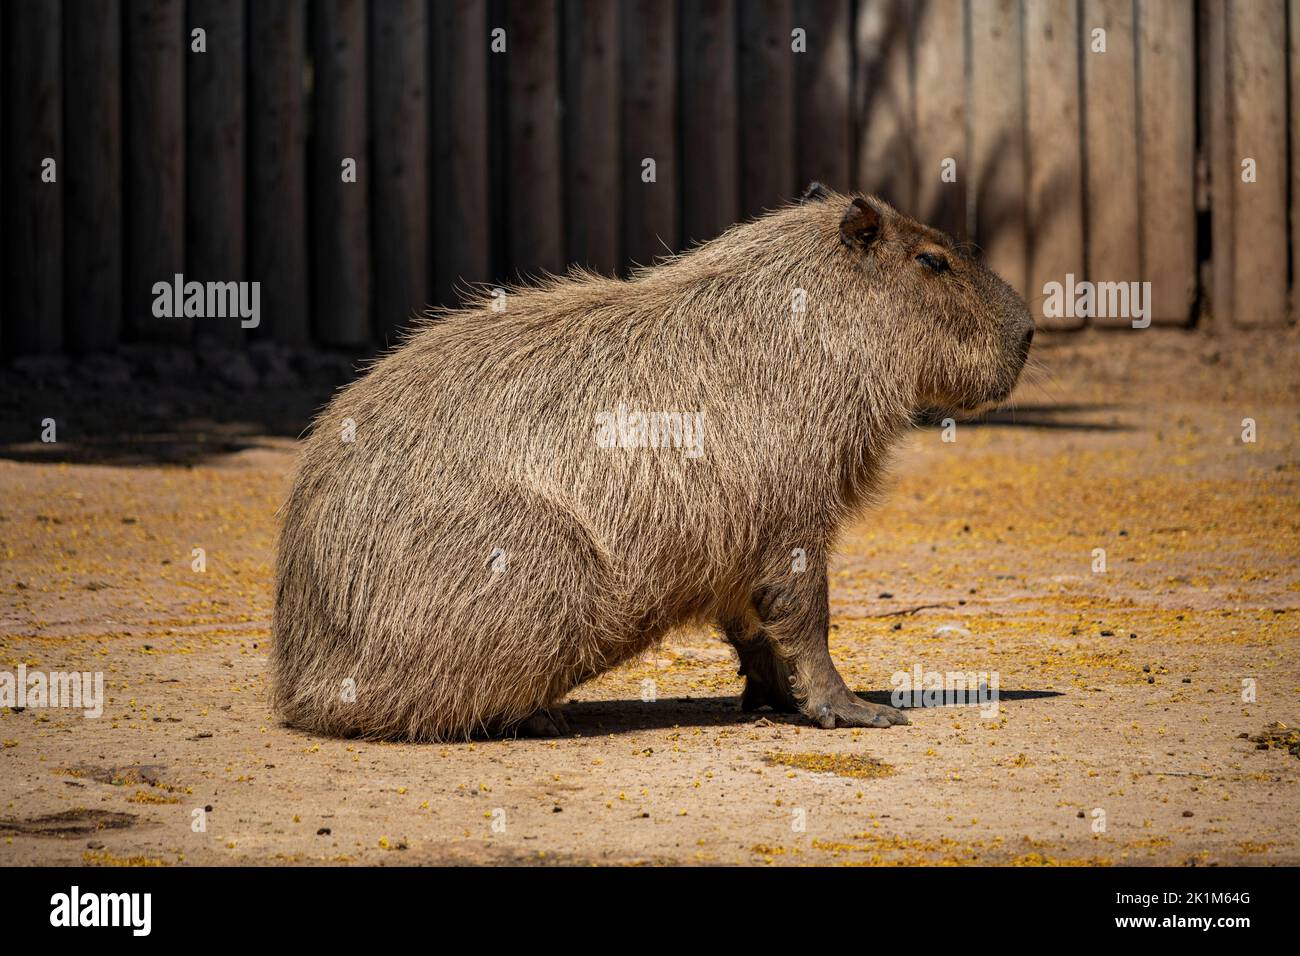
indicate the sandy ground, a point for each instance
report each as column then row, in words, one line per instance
column 1121, row 735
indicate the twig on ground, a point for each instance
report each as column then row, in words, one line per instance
column 909, row 610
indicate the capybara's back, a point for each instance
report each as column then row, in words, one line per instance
column 534, row 488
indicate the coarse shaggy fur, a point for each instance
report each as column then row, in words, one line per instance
column 473, row 552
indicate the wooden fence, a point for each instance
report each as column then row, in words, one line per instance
column 498, row 139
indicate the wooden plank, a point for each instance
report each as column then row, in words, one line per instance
column 498, row 155
column 277, row 168
column 1111, row 145
column 399, row 111
column 462, row 217
column 941, row 115
column 155, row 162
column 1257, row 72
column 1167, row 176
column 92, row 125
column 1214, row 16
column 886, row 138
column 33, row 233
column 649, row 47
column 3, row 87
column 768, row 176
column 214, row 155
column 710, row 120
column 592, row 192
column 1293, row 59
column 340, row 225
column 823, row 96
column 535, row 177
column 998, row 175
column 1055, row 208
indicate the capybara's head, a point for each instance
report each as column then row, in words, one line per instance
column 965, row 333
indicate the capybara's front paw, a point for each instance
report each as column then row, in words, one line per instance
column 851, row 711
column 543, row 723
column 759, row 693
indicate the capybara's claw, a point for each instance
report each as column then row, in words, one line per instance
column 855, row 713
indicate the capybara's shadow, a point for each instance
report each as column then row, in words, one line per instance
column 591, row 717
column 1059, row 416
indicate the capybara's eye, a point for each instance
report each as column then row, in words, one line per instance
column 933, row 262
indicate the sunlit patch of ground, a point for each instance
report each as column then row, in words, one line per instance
column 1110, row 553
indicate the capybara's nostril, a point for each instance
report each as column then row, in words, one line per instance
column 1029, row 338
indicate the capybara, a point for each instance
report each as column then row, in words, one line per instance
column 536, row 487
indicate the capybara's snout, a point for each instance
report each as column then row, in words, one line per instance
column 1017, row 335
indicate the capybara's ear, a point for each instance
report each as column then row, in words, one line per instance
column 860, row 225
column 815, row 192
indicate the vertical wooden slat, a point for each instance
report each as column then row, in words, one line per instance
column 1222, row 165
column 1293, row 60
column 886, row 153
column 340, row 226
column 1055, row 207
column 997, row 128
column 3, row 208
column 823, row 98
column 1111, row 146
column 214, row 155
column 941, row 114
column 400, row 148
column 156, row 45
column 768, row 177
column 592, row 191
column 1257, row 75
column 1167, row 176
column 710, row 120
column 499, row 155
column 535, row 178
column 649, row 47
column 277, row 168
column 462, row 217
column 92, row 105
column 33, row 232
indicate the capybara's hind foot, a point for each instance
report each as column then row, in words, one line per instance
column 853, row 711
column 543, row 723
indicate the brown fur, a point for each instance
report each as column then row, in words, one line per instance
column 476, row 437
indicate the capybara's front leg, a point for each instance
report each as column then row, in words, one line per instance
column 767, row 679
column 795, row 616
column 543, row 722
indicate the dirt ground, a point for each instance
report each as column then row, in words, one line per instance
column 1122, row 733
